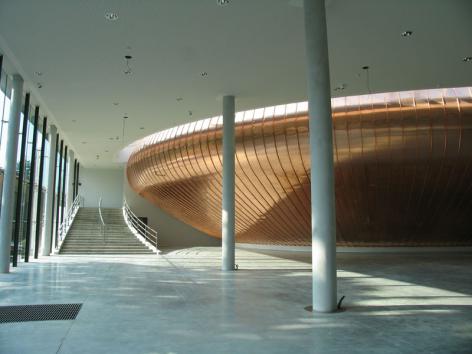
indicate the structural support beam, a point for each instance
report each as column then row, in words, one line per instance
column 59, row 195
column 29, row 214
column 9, row 178
column 70, row 180
column 77, row 180
column 74, row 182
column 64, row 173
column 21, row 174
column 228, row 204
column 39, row 202
column 323, row 226
column 49, row 207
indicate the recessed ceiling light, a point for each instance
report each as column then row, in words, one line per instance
column 38, row 73
column 117, row 138
column 467, row 59
column 142, row 128
column 407, row 33
column 222, row 2
column 365, row 67
column 116, row 103
column 74, row 120
column 84, row 142
column 179, row 99
column 106, row 151
column 204, row 74
column 125, row 117
column 190, row 113
column 111, row 16
column 128, row 57
column 39, row 85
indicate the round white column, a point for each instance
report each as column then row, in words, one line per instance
column 6, row 217
column 228, row 204
column 323, row 226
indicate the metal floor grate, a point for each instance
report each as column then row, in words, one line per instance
column 49, row 312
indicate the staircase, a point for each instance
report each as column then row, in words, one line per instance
column 85, row 237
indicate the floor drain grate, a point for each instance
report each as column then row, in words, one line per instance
column 49, row 312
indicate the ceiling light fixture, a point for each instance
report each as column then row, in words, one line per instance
column 125, row 117
column 204, row 74
column 111, row 16
column 84, row 142
column 367, row 77
column 179, row 99
column 38, row 73
column 142, row 128
column 39, row 85
column 407, row 33
column 222, row 2
column 467, row 59
column 116, row 103
column 128, row 67
column 340, row 87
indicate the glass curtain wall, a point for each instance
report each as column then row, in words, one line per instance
column 5, row 97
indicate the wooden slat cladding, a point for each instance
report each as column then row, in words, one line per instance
column 402, row 166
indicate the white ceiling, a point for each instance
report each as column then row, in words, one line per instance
column 251, row 48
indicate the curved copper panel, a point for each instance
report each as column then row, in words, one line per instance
column 402, row 164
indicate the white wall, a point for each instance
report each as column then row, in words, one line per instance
column 172, row 233
column 105, row 183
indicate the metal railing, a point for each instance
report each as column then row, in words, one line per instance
column 138, row 227
column 68, row 220
column 103, row 226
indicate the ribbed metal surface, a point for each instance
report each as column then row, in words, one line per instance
column 402, row 165
column 49, row 312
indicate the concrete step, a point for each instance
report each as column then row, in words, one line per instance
column 123, row 243
column 85, row 235
column 106, row 252
column 96, row 249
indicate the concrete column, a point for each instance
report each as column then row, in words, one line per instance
column 46, row 236
column 323, row 226
column 70, row 181
column 8, row 206
column 228, row 219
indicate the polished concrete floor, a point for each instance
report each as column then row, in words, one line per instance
column 180, row 302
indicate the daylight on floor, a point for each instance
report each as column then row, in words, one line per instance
column 235, row 176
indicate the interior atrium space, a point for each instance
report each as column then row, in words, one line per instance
column 235, row 176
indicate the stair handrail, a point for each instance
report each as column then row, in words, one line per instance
column 102, row 223
column 138, row 227
column 69, row 219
